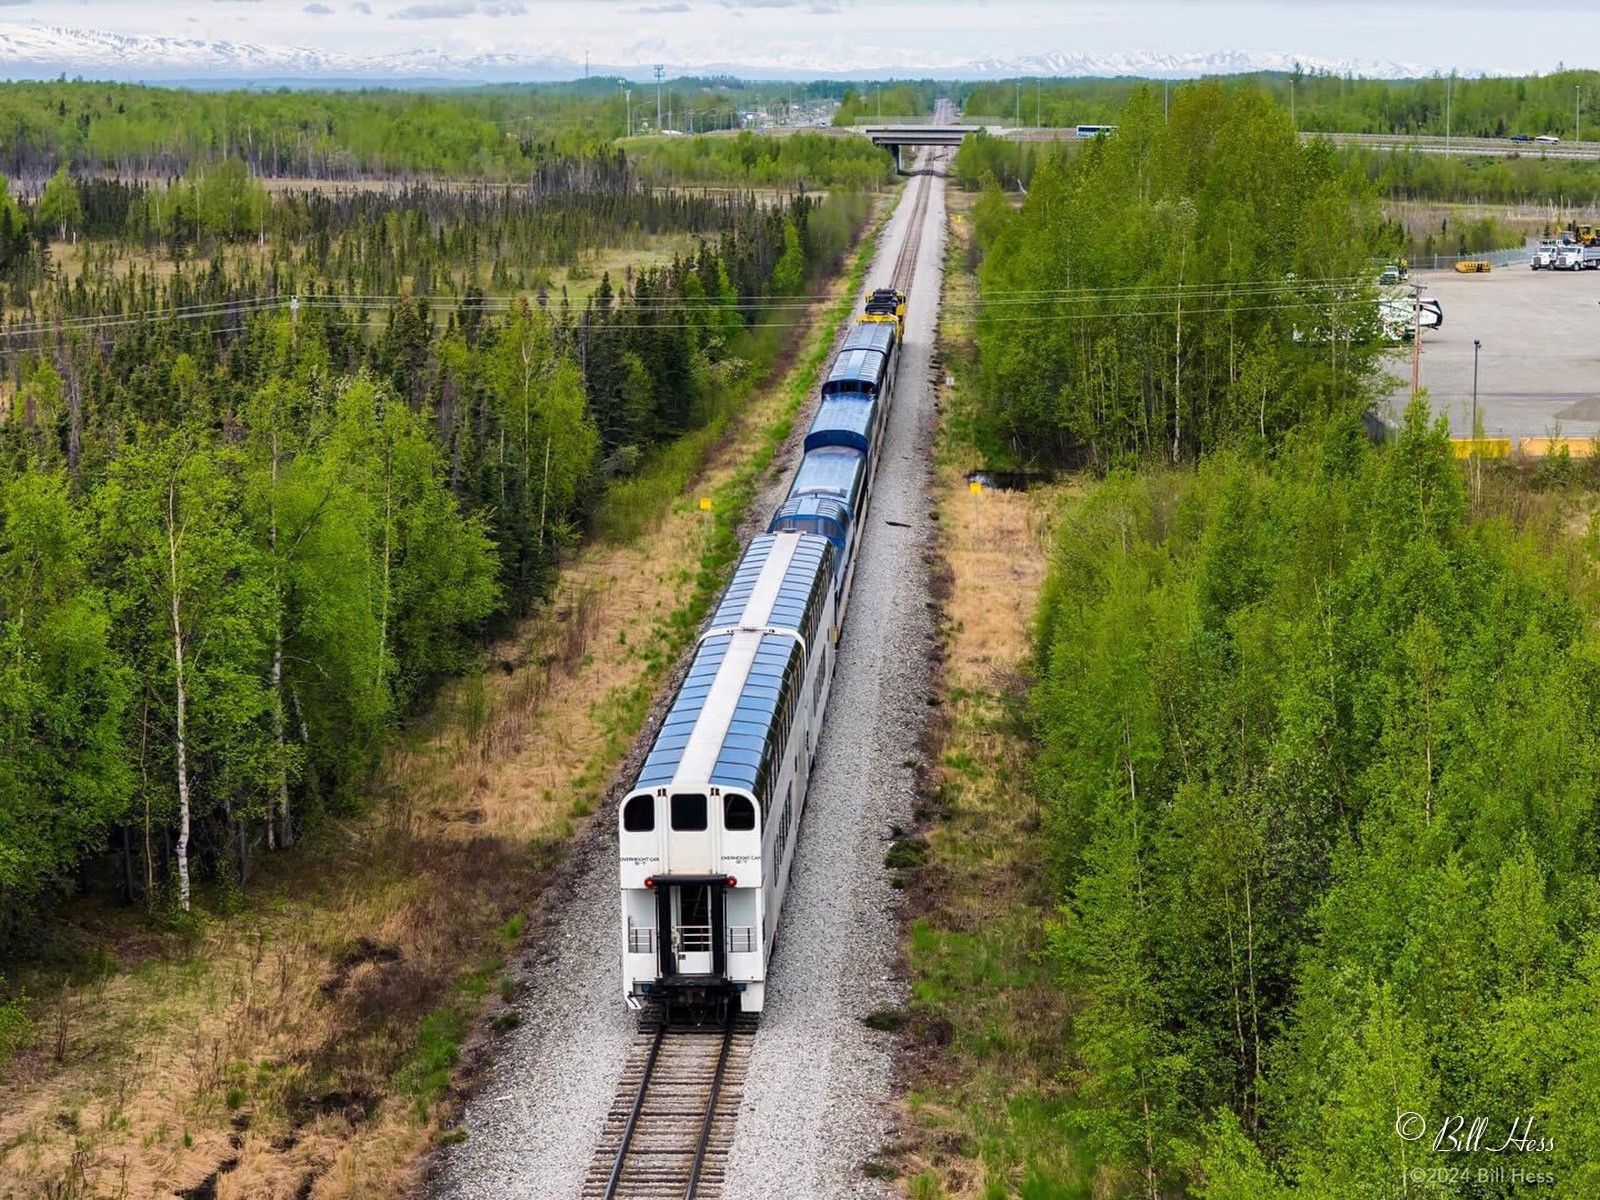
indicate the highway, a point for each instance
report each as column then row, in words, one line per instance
column 1483, row 147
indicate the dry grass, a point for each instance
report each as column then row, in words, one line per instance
column 985, row 1047
column 301, row 1042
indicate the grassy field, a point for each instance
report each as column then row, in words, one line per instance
column 303, row 1040
column 986, row 1068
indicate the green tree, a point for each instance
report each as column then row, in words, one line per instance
column 64, row 777
column 191, row 602
column 59, row 206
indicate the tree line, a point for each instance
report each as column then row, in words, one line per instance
column 426, row 238
column 1325, row 102
column 793, row 160
column 1318, row 765
column 240, row 548
column 1197, row 279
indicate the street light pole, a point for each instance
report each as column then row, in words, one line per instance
column 1416, row 341
column 1475, row 344
column 1577, row 112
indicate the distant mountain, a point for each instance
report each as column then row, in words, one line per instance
column 44, row 52
column 1148, row 64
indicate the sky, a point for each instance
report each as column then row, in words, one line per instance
column 1472, row 35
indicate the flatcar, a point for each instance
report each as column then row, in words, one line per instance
column 708, row 831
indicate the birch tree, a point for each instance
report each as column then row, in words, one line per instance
column 187, row 576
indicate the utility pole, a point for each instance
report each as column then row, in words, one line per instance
column 660, row 70
column 1019, row 102
column 1038, row 102
column 1577, row 112
column 627, row 94
column 1447, row 81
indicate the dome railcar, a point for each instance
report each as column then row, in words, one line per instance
column 707, row 832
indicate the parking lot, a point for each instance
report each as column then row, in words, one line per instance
column 1539, row 365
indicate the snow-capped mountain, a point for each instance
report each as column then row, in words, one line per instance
column 44, row 52
column 1151, row 65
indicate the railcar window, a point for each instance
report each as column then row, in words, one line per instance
column 639, row 814
column 738, row 813
column 688, row 813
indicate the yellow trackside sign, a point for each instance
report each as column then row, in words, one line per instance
column 705, row 503
column 975, row 487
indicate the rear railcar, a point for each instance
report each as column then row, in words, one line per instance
column 707, row 833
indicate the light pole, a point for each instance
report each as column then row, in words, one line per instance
column 627, row 95
column 1475, row 344
column 1416, row 339
column 1577, row 112
column 1447, row 113
column 660, row 70
column 1019, row 102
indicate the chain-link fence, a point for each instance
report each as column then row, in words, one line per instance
column 1520, row 256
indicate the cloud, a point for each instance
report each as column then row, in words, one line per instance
column 440, row 10
column 361, row 6
column 507, row 8
column 317, row 10
column 666, row 8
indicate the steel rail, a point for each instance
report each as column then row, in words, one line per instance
column 633, row 1117
column 711, row 1111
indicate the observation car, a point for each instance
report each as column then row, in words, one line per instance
column 707, row 833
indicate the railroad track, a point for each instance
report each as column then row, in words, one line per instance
column 671, row 1123
column 905, row 264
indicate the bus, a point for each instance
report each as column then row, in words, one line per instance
column 1094, row 131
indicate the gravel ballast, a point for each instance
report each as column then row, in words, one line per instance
column 817, row 1101
column 817, row 1095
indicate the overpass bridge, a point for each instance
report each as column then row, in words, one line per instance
column 899, row 137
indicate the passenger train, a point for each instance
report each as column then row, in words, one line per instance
column 707, row 832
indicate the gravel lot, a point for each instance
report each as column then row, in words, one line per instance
column 1540, row 360
column 816, row 1104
